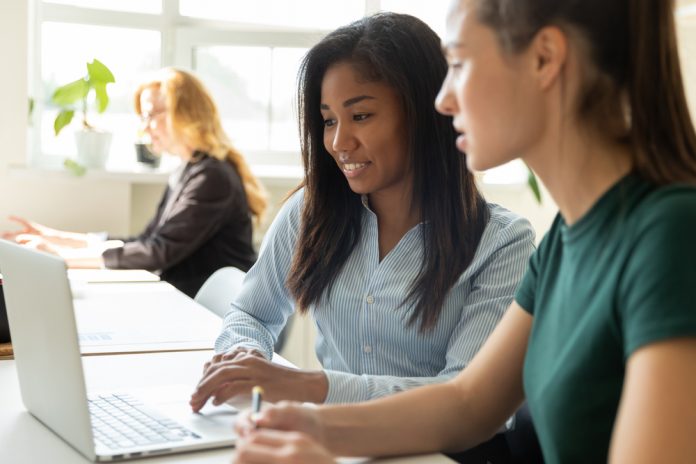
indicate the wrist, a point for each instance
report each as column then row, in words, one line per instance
column 313, row 386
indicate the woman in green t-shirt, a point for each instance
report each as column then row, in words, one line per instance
column 601, row 338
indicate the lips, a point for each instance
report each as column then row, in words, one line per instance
column 353, row 166
column 462, row 142
column 352, row 170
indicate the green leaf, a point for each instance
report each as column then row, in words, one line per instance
column 63, row 119
column 99, row 73
column 533, row 185
column 31, row 110
column 102, row 97
column 70, row 93
column 74, row 167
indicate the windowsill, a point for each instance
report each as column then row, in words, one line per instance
column 141, row 174
column 269, row 174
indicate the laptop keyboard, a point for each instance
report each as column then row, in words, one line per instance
column 121, row 421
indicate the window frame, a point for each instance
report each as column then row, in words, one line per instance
column 179, row 36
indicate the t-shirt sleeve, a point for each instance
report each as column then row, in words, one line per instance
column 524, row 296
column 657, row 292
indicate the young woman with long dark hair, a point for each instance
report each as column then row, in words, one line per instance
column 388, row 244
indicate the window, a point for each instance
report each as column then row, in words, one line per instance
column 135, row 6
column 59, row 67
column 246, row 53
column 432, row 12
column 305, row 14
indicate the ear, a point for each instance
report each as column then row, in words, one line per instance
column 550, row 52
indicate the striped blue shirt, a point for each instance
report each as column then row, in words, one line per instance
column 363, row 342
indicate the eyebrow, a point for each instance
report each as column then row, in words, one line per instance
column 350, row 101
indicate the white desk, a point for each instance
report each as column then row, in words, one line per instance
column 141, row 317
column 23, row 440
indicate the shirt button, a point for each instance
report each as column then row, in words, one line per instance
column 367, row 349
column 370, row 299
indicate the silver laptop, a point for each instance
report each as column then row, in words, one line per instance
column 105, row 426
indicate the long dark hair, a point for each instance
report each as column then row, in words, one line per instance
column 404, row 53
column 633, row 90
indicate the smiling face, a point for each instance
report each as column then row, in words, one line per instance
column 364, row 131
column 491, row 94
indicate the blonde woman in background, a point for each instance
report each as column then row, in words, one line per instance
column 204, row 220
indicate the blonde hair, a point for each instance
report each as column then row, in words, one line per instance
column 195, row 122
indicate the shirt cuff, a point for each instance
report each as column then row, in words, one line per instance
column 95, row 238
column 345, row 387
column 249, row 346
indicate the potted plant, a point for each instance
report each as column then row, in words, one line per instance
column 92, row 144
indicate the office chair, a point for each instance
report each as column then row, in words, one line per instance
column 220, row 289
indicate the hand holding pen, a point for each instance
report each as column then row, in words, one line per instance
column 259, row 443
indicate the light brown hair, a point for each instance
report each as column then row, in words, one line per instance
column 632, row 82
column 195, row 121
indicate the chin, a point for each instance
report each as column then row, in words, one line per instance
column 483, row 163
column 359, row 188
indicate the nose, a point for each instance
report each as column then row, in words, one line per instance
column 343, row 139
column 148, row 124
column 445, row 103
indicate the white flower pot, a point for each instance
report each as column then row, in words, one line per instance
column 92, row 148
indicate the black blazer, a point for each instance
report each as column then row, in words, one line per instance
column 202, row 224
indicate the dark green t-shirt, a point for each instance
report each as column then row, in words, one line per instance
column 622, row 277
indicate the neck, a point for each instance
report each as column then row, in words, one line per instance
column 577, row 169
column 394, row 205
column 184, row 152
column 396, row 214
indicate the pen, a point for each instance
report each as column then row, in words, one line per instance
column 256, row 399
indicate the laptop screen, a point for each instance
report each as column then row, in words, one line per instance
column 4, row 325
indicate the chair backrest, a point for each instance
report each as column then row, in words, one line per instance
column 219, row 290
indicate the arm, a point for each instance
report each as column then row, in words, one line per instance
column 657, row 415
column 52, row 236
column 492, row 286
column 88, row 257
column 263, row 305
column 656, row 418
column 451, row 416
column 256, row 317
column 197, row 215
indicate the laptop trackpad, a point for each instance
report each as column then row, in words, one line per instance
column 172, row 401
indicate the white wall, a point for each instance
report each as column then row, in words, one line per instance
column 60, row 201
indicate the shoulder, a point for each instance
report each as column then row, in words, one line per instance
column 507, row 240
column 662, row 219
column 505, row 227
column 666, row 207
column 291, row 210
column 215, row 173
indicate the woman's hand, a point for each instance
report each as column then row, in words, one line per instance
column 238, row 352
column 36, row 242
column 273, row 446
column 48, row 235
column 27, row 228
column 286, row 416
column 235, row 374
